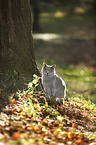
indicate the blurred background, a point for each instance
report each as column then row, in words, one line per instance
column 64, row 33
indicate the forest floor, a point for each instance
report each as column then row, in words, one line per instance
column 32, row 119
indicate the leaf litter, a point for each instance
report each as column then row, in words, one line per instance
column 31, row 118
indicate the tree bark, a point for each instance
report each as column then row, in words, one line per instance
column 16, row 43
column 4, row 30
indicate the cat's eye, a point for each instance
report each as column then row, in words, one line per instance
column 50, row 71
column 45, row 70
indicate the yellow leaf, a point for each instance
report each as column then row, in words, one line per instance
column 1, row 136
column 24, row 135
column 30, row 127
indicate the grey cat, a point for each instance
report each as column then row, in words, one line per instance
column 54, row 85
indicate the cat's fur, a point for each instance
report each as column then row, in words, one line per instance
column 54, row 85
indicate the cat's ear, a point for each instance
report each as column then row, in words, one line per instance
column 53, row 66
column 44, row 64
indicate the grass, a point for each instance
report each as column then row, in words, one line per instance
column 79, row 79
column 69, row 42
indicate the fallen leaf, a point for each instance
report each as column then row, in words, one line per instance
column 24, row 135
column 13, row 102
column 42, row 134
column 53, row 143
column 16, row 135
column 1, row 136
column 70, row 135
column 80, row 141
column 30, row 127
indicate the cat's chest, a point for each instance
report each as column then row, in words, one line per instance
column 49, row 80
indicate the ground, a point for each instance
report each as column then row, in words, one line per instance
column 31, row 119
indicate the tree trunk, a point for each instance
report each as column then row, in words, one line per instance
column 35, row 5
column 16, row 44
column 4, row 31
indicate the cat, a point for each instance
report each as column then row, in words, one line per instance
column 54, row 85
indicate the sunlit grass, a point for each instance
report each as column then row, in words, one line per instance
column 55, row 36
column 46, row 36
column 79, row 10
column 59, row 14
column 80, row 79
column 62, row 14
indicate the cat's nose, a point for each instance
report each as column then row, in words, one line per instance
column 47, row 73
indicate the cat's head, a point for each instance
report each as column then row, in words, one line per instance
column 48, row 70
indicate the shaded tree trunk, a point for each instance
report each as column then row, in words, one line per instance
column 35, row 5
column 4, row 30
column 94, row 6
column 16, row 43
